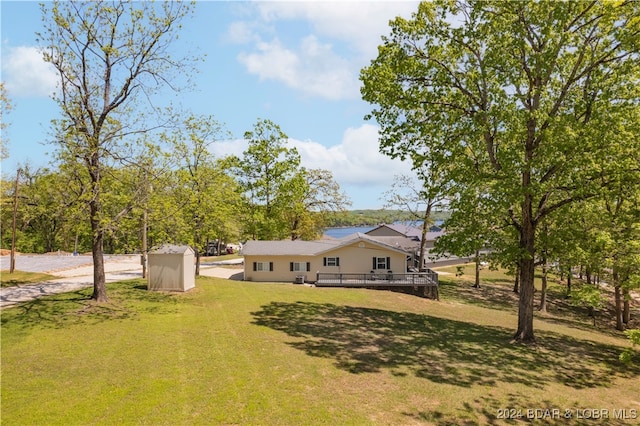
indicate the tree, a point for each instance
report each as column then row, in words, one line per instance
column 108, row 55
column 203, row 188
column 5, row 108
column 283, row 199
column 419, row 200
column 524, row 115
column 314, row 195
column 268, row 172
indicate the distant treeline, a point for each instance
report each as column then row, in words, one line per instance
column 376, row 217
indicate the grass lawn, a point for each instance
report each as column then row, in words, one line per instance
column 232, row 352
column 21, row 278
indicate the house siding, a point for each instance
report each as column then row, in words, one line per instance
column 355, row 258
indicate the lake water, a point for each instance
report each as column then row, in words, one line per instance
column 343, row 232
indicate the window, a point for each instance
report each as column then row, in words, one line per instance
column 263, row 266
column 381, row 263
column 299, row 266
column 331, row 261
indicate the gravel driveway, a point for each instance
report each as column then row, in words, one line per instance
column 77, row 273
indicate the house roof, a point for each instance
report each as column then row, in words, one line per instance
column 406, row 230
column 313, row 248
column 288, row 247
column 411, row 231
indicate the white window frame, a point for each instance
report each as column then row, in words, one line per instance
column 262, row 266
column 332, row 261
column 299, row 266
column 381, row 263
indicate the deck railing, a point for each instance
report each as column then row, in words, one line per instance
column 390, row 279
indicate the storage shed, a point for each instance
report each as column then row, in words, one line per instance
column 171, row 268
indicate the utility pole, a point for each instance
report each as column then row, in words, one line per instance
column 12, row 262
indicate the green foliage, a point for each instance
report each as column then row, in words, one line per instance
column 282, row 199
column 522, row 122
column 111, row 59
column 628, row 354
column 588, row 295
column 5, row 108
column 375, row 217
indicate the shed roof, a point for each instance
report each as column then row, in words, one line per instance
column 172, row 249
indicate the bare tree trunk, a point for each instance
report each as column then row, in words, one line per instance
column 97, row 230
column 543, row 295
column 144, row 243
column 12, row 262
column 524, row 333
column 617, row 299
column 618, row 308
column 423, row 237
column 97, row 252
column 626, row 313
column 525, row 305
column 477, row 283
column 516, row 283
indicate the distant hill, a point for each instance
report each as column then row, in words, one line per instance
column 375, row 217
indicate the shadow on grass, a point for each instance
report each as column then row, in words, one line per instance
column 488, row 295
column 559, row 309
column 364, row 340
column 127, row 299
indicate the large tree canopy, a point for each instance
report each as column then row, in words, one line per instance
column 516, row 99
column 109, row 56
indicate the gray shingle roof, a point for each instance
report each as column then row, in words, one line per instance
column 309, row 248
column 288, row 247
column 171, row 249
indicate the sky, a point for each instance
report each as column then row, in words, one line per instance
column 295, row 63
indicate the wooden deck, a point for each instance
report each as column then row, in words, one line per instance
column 429, row 278
column 419, row 283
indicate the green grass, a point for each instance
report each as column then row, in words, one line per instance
column 22, row 278
column 231, row 352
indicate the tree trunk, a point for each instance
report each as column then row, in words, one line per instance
column 626, row 314
column 543, row 295
column 97, row 252
column 524, row 333
column 143, row 257
column 423, row 237
column 97, row 231
column 525, row 306
column 617, row 299
column 569, row 281
column 197, row 262
column 618, row 309
column 477, row 283
column 516, row 283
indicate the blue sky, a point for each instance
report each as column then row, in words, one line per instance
column 295, row 63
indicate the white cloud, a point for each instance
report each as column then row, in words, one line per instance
column 25, row 73
column 356, row 161
column 358, row 23
column 312, row 68
column 324, row 62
